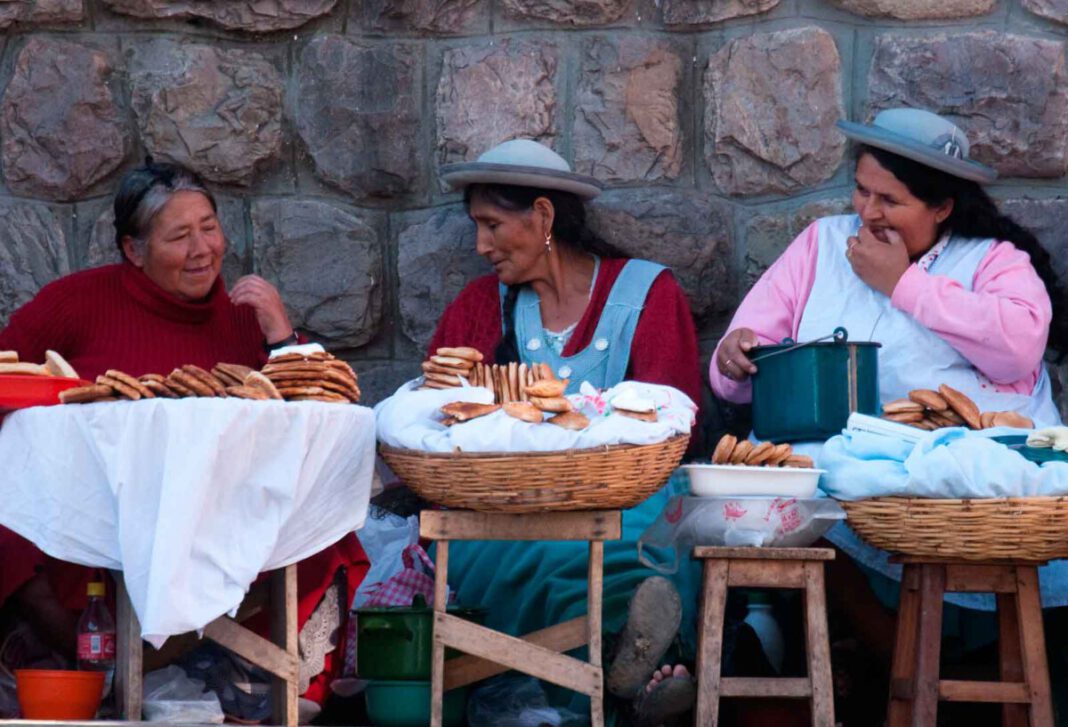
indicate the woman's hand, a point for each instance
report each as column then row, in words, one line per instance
column 879, row 264
column 264, row 298
column 732, row 358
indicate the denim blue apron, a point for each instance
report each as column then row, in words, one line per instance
column 528, row 586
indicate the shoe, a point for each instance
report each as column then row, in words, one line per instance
column 653, row 619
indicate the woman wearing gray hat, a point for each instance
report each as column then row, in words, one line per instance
column 561, row 296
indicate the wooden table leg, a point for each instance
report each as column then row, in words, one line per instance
column 284, row 696
column 710, row 641
column 437, row 662
column 929, row 646
column 819, row 649
column 1033, row 646
column 1010, row 660
column 128, row 654
column 594, row 585
column 903, row 665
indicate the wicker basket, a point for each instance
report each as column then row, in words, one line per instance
column 598, row 478
column 1022, row 528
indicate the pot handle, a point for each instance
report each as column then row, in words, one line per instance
column 840, row 335
column 385, row 626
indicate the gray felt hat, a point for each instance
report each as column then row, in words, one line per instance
column 923, row 137
column 524, row 163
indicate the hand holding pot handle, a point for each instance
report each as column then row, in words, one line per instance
column 732, row 358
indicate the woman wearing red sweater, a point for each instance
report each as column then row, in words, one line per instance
column 564, row 297
column 164, row 306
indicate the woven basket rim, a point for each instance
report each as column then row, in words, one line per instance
column 598, row 449
column 957, row 500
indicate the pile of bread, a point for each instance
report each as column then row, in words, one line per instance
column 731, row 450
column 318, row 376
column 928, row 409
column 224, row 380
column 54, row 365
column 543, row 396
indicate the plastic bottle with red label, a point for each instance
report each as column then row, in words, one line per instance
column 96, row 636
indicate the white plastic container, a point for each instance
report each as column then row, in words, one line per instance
column 761, row 619
column 730, row 480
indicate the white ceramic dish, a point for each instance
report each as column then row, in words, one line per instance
column 729, row 480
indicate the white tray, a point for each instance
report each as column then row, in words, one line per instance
column 729, row 480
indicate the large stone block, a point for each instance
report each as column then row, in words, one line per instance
column 216, row 111
column 436, row 258
column 33, row 252
column 40, row 12
column 771, row 102
column 326, row 260
column 917, row 9
column 61, row 128
column 491, row 93
column 253, row 16
column 768, row 235
column 440, row 17
column 1045, row 218
column 357, row 110
column 1052, row 9
column 380, row 379
column 706, row 12
column 1008, row 92
column 627, row 118
column 687, row 231
column 98, row 237
column 568, row 12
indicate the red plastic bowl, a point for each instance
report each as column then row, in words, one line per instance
column 18, row 391
column 55, row 694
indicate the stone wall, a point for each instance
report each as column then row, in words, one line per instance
column 323, row 124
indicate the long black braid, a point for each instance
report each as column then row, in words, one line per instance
column 975, row 215
column 569, row 229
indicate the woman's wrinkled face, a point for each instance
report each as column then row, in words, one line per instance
column 184, row 250
column 885, row 203
column 510, row 240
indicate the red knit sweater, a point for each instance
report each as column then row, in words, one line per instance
column 664, row 349
column 114, row 317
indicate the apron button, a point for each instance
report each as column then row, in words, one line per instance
column 564, row 372
column 601, row 344
column 533, row 344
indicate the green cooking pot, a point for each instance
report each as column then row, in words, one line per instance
column 407, row 704
column 806, row 391
column 395, row 642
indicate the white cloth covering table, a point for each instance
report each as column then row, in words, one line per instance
column 191, row 499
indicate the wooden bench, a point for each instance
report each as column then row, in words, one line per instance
column 797, row 568
column 915, row 686
column 541, row 653
column 279, row 655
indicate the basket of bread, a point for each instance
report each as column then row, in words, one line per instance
column 1024, row 528
column 588, row 478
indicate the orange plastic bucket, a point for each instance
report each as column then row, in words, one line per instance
column 56, row 694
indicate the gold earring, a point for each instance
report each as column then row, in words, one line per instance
column 549, row 244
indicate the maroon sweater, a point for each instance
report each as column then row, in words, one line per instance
column 114, row 317
column 664, row 349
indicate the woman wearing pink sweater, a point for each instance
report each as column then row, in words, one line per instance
column 956, row 292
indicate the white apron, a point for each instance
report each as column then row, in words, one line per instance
column 911, row 356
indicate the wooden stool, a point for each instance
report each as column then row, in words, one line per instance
column 539, row 654
column 799, row 568
column 278, row 655
column 915, row 687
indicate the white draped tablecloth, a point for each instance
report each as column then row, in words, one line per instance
column 190, row 498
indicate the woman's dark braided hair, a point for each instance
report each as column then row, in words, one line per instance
column 975, row 215
column 569, row 229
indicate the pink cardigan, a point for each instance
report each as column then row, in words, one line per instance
column 1000, row 326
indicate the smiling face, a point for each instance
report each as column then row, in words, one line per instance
column 511, row 240
column 184, row 249
column 884, row 202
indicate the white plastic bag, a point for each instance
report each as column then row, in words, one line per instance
column 384, row 536
column 773, row 522
column 172, row 696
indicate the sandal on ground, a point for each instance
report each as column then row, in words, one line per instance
column 652, row 621
column 668, row 699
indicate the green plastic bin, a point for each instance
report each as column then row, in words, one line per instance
column 807, row 391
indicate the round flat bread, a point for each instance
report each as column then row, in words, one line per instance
column 443, row 378
column 433, row 368
column 315, row 356
column 781, row 453
column 1012, row 419
column 741, row 451
column 206, row 378
column 465, row 352
column 760, row 454
column 190, row 382
column 129, row 381
column 961, row 404
column 573, row 420
column 523, row 410
column 452, row 361
column 799, row 460
column 85, row 394
column 547, row 388
column 722, row 453
column 256, row 380
column 902, row 406
column 247, row 392
column 907, row 417
column 642, row 416
column 120, row 387
column 556, row 404
column 145, row 378
column 160, row 389
column 929, row 399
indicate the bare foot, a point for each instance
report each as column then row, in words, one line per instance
column 665, row 672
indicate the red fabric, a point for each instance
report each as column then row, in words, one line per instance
column 114, row 317
column 664, row 349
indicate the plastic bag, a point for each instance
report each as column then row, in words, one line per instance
column 515, row 700
column 416, row 578
column 172, row 696
column 384, row 537
column 738, row 522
